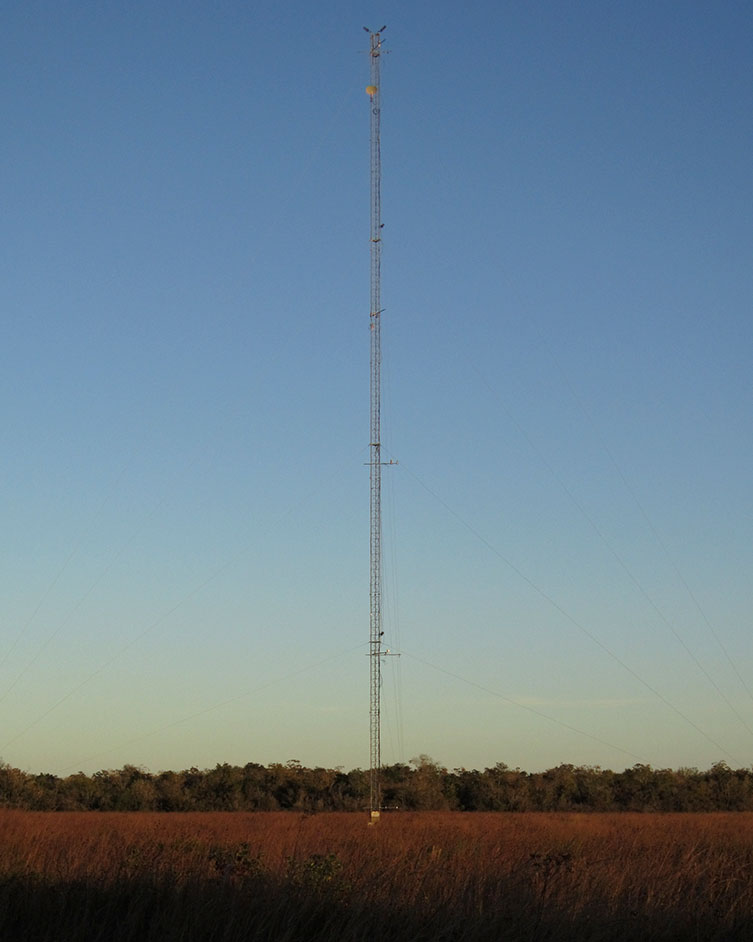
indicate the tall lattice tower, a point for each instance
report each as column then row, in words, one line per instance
column 375, row 447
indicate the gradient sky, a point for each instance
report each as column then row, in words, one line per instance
column 184, row 366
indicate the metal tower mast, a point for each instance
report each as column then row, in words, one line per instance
column 375, row 446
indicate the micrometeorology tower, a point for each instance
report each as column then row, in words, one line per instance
column 373, row 90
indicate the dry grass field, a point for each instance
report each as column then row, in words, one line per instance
column 417, row 876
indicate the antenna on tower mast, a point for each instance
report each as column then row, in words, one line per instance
column 375, row 447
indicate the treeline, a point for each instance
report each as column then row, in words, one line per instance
column 422, row 785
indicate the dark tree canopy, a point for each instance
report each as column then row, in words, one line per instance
column 423, row 785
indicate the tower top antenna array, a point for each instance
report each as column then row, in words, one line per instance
column 373, row 90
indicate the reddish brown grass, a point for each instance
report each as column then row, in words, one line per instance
column 415, row 876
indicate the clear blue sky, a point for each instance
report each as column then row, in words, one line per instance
column 184, row 366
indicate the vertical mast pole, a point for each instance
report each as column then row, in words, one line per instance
column 375, row 455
